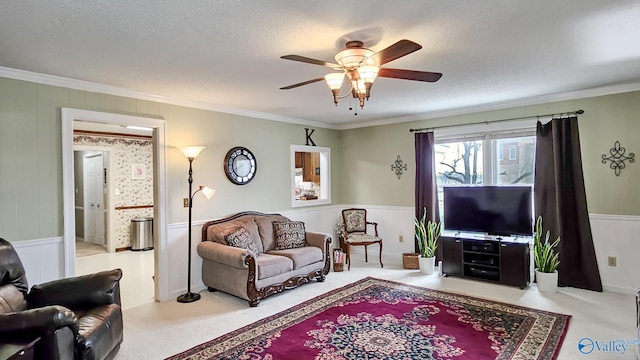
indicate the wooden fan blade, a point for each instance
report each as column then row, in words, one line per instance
column 310, row 61
column 410, row 75
column 397, row 50
column 301, row 84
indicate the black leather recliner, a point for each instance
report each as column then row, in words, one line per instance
column 75, row 318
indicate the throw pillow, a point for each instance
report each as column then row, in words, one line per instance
column 242, row 239
column 289, row 234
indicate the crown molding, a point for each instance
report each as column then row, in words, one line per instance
column 536, row 100
column 118, row 91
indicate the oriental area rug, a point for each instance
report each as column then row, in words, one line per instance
column 380, row 319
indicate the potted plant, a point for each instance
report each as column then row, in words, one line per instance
column 546, row 259
column 427, row 234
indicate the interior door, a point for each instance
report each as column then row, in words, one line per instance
column 94, row 198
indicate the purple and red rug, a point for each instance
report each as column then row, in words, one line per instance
column 380, row 319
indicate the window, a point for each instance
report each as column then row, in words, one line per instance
column 498, row 156
column 519, row 168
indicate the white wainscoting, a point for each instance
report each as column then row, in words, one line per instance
column 42, row 259
column 617, row 235
column 613, row 235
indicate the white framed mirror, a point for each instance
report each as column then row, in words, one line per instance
column 310, row 175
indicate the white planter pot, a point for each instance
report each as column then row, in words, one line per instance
column 427, row 265
column 547, row 282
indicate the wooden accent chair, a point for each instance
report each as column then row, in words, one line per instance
column 355, row 232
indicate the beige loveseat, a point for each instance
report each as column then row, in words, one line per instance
column 256, row 270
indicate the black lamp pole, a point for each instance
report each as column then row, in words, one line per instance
column 189, row 296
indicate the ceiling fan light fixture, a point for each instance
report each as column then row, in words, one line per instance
column 352, row 57
column 361, row 66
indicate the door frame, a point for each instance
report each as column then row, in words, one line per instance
column 68, row 115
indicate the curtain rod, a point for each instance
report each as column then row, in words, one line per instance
column 577, row 112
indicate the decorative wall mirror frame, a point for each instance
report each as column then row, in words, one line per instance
column 322, row 195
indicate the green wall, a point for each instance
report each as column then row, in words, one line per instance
column 369, row 152
column 31, row 164
column 31, row 156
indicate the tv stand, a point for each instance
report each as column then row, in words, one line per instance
column 501, row 260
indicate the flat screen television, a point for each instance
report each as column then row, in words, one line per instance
column 495, row 210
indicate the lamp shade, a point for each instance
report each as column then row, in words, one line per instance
column 207, row 192
column 334, row 80
column 191, row 152
column 368, row 73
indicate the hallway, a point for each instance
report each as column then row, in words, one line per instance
column 137, row 285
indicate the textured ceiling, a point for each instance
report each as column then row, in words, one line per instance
column 227, row 53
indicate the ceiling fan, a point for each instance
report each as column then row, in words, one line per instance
column 361, row 66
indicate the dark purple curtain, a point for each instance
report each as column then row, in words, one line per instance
column 426, row 186
column 560, row 198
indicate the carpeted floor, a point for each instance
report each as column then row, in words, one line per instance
column 373, row 319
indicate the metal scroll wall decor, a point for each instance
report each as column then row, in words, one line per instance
column 398, row 167
column 617, row 158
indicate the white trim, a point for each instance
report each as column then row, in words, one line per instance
column 536, row 100
column 36, row 242
column 619, row 289
column 160, row 192
column 614, row 217
column 118, row 91
column 112, row 90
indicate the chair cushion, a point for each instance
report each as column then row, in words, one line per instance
column 289, row 234
column 302, row 256
column 356, row 238
column 100, row 331
column 355, row 220
column 242, row 239
column 272, row 265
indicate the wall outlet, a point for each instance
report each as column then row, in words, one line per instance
column 185, row 201
column 613, row 261
column 401, row 238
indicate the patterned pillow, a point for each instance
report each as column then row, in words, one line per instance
column 289, row 234
column 242, row 239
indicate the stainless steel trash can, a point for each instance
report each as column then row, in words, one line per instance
column 141, row 233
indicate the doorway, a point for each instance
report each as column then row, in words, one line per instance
column 92, row 215
column 161, row 284
column 93, row 198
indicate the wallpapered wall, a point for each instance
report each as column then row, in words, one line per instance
column 134, row 188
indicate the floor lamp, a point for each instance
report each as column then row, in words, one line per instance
column 192, row 152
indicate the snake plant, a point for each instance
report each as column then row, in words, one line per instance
column 427, row 233
column 545, row 256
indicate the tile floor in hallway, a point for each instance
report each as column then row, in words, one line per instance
column 158, row 330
